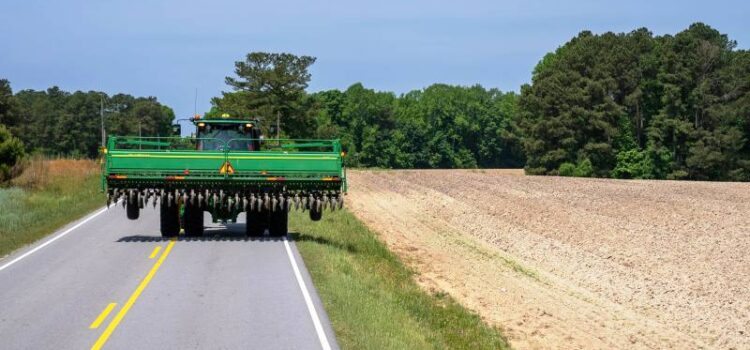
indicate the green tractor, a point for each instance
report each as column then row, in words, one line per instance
column 226, row 168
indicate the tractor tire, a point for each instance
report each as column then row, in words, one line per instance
column 279, row 223
column 170, row 220
column 132, row 207
column 257, row 222
column 315, row 213
column 193, row 220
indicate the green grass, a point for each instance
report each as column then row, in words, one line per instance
column 29, row 213
column 371, row 297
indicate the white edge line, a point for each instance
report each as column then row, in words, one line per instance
column 310, row 306
column 53, row 239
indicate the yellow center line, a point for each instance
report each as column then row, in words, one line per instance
column 133, row 297
column 156, row 251
column 102, row 316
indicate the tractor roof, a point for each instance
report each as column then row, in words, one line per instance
column 224, row 121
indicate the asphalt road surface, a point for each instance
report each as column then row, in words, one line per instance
column 108, row 282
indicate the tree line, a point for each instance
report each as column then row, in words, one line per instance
column 627, row 105
column 61, row 123
column 441, row 126
column 635, row 105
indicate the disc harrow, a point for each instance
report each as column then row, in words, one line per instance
column 237, row 201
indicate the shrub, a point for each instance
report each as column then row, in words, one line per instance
column 633, row 164
column 11, row 154
column 584, row 168
column 567, row 169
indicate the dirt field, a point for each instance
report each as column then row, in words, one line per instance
column 566, row 263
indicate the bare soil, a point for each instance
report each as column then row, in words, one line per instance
column 567, row 263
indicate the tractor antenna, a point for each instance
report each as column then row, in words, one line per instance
column 195, row 103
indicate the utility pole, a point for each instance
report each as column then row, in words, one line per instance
column 278, row 125
column 101, row 116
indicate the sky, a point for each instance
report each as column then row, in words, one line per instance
column 170, row 48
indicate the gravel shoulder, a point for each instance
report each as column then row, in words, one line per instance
column 573, row 263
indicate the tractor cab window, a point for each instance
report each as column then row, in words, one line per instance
column 235, row 137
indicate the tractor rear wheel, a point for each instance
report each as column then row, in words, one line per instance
column 132, row 207
column 193, row 220
column 279, row 223
column 170, row 220
column 257, row 222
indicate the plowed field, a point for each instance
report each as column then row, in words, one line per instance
column 571, row 263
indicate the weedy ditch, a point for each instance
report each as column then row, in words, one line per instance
column 47, row 195
column 372, row 298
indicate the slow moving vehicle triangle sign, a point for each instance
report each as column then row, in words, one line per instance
column 226, row 168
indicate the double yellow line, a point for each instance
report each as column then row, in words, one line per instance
column 128, row 304
column 102, row 316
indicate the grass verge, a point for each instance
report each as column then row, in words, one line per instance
column 371, row 297
column 49, row 194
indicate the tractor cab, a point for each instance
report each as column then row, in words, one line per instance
column 227, row 134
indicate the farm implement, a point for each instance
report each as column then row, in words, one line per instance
column 226, row 169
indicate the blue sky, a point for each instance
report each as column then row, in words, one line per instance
column 169, row 48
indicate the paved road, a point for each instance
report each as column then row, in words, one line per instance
column 223, row 291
